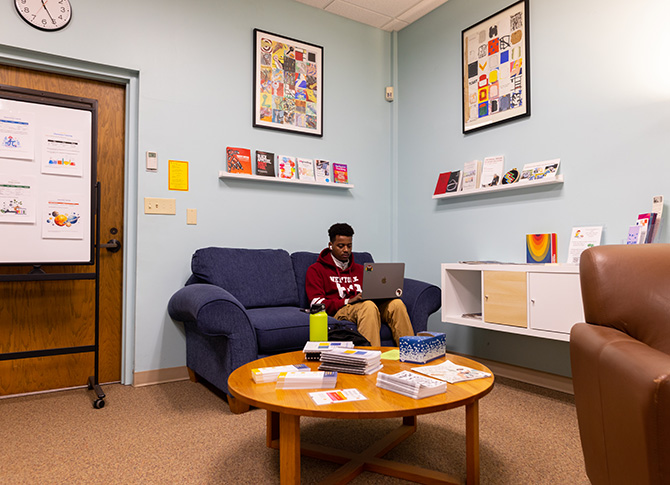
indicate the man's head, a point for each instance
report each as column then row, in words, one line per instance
column 341, row 236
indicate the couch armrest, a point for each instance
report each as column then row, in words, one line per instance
column 422, row 300
column 622, row 397
column 214, row 310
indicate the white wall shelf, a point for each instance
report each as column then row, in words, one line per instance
column 518, row 185
column 261, row 178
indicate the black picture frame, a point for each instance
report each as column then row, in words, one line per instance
column 288, row 84
column 495, row 66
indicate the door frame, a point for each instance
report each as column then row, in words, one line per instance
column 40, row 61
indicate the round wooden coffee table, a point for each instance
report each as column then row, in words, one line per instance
column 284, row 408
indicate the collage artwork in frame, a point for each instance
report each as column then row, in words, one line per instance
column 288, row 84
column 496, row 86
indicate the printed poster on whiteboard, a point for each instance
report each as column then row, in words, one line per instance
column 62, row 217
column 17, row 135
column 17, row 199
column 61, row 154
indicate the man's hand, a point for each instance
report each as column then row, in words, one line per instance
column 356, row 299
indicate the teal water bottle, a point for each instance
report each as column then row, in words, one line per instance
column 318, row 323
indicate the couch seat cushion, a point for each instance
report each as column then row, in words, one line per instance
column 279, row 329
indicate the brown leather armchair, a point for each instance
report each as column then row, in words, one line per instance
column 621, row 364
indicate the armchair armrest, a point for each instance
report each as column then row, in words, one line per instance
column 622, row 396
column 214, row 310
column 422, row 300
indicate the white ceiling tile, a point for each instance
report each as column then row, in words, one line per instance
column 322, row 4
column 359, row 14
column 392, row 8
column 389, row 15
column 418, row 11
column 394, row 25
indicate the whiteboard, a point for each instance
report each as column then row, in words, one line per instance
column 47, row 177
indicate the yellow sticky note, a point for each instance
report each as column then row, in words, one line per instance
column 177, row 175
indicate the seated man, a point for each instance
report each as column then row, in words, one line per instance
column 335, row 280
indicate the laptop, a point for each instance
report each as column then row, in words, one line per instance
column 383, row 280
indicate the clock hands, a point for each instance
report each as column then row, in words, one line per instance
column 44, row 6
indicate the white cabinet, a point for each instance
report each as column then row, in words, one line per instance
column 529, row 299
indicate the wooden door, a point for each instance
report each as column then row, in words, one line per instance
column 55, row 314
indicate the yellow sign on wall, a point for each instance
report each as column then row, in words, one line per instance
column 177, row 175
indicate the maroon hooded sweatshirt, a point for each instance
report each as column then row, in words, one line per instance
column 326, row 283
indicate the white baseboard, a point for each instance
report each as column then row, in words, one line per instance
column 529, row 376
column 160, row 376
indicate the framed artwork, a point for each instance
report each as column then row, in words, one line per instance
column 288, row 84
column 495, row 63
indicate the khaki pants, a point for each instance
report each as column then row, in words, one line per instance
column 368, row 315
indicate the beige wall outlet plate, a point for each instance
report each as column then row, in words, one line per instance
column 154, row 205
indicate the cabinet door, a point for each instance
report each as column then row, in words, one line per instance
column 555, row 301
column 505, row 298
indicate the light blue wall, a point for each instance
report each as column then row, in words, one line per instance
column 195, row 89
column 599, row 75
column 600, row 103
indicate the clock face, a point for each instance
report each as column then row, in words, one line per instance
column 47, row 15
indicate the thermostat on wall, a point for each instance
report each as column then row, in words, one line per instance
column 152, row 162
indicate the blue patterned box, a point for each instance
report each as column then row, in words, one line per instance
column 423, row 348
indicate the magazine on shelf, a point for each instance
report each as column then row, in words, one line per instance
column 265, row 163
column 340, row 173
column 322, row 171
column 238, row 160
column 306, row 169
column 454, row 183
column 472, row 174
column 492, row 171
column 539, row 170
column 450, row 372
column 287, row 167
column 442, row 182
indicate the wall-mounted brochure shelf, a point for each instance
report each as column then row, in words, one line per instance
column 518, row 185
column 261, row 178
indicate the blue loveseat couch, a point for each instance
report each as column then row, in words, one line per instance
column 243, row 304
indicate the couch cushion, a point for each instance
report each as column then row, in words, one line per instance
column 304, row 259
column 279, row 329
column 256, row 277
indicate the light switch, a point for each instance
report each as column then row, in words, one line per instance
column 191, row 216
column 154, row 205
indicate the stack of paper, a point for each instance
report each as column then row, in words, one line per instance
column 351, row 361
column 313, row 350
column 269, row 374
column 450, row 372
column 307, row 380
column 412, row 385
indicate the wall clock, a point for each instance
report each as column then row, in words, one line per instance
column 49, row 15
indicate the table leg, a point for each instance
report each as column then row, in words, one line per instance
column 289, row 449
column 472, row 442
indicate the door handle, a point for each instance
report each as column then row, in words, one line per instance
column 113, row 245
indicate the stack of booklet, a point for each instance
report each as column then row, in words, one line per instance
column 410, row 384
column 306, row 380
column 269, row 374
column 351, row 361
column 313, row 350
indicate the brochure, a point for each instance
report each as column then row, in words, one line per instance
column 450, row 372
column 582, row 238
column 336, row 395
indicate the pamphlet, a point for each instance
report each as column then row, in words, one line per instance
column 539, row 170
column 582, row 238
column 336, row 395
column 450, row 372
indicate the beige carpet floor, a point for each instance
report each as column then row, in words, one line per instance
column 183, row 432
